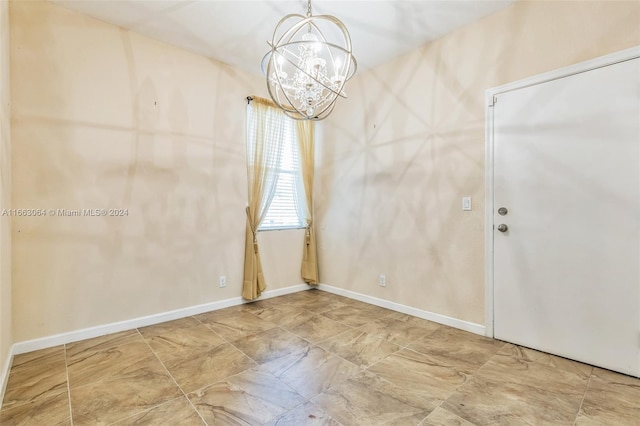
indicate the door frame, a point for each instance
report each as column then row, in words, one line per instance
column 491, row 98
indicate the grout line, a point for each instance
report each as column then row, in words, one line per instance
column 352, row 328
column 238, row 373
column 214, row 332
column 382, row 359
column 453, row 392
column 328, row 338
column 231, row 342
column 66, row 369
column 172, row 378
column 583, row 396
column 311, row 345
column 360, row 369
column 306, row 400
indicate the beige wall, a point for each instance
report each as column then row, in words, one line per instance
column 408, row 144
column 106, row 118
column 6, row 339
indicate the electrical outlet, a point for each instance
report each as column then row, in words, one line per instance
column 382, row 281
column 223, row 281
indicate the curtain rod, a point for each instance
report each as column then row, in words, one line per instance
column 260, row 100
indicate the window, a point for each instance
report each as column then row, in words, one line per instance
column 286, row 210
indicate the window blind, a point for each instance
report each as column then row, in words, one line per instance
column 287, row 205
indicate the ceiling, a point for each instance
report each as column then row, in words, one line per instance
column 236, row 31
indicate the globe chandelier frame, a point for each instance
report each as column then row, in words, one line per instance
column 308, row 64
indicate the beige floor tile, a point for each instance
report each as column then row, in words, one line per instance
column 319, row 304
column 180, row 338
column 400, row 329
column 49, row 410
column 377, row 311
column 302, row 295
column 41, row 374
column 97, row 365
column 493, row 402
column 463, row 350
column 84, row 348
column 287, row 316
column 367, row 399
column 442, row 417
column 311, row 371
column 311, row 294
column 352, row 316
column 307, row 414
column 259, row 305
column 611, row 399
column 251, row 397
column 356, row 303
column 359, row 347
column 39, row 356
column 338, row 298
column 269, row 345
column 318, row 328
column 116, row 398
column 175, row 412
column 510, row 389
column 232, row 325
column 205, row 368
column 508, row 365
column 423, row 381
column 530, row 355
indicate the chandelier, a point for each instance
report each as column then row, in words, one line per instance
column 308, row 65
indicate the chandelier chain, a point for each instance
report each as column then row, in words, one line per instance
column 308, row 8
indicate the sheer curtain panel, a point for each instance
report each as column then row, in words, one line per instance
column 265, row 127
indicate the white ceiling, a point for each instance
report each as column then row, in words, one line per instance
column 237, row 31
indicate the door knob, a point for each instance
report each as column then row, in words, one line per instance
column 502, row 211
column 502, row 227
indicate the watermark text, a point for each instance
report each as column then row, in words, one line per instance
column 57, row 212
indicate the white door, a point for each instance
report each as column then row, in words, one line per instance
column 567, row 169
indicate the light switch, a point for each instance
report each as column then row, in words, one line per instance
column 466, row 203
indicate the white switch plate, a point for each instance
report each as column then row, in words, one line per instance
column 466, row 203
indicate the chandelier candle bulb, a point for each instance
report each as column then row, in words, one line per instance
column 308, row 65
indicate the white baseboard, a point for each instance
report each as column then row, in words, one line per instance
column 4, row 374
column 440, row 319
column 102, row 330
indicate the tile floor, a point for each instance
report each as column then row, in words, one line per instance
column 309, row 358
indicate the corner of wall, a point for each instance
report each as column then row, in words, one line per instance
column 4, row 374
column 6, row 323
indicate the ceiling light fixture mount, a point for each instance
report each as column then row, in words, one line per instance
column 308, row 65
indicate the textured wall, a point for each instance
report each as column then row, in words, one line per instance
column 408, row 144
column 5, row 189
column 106, row 118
